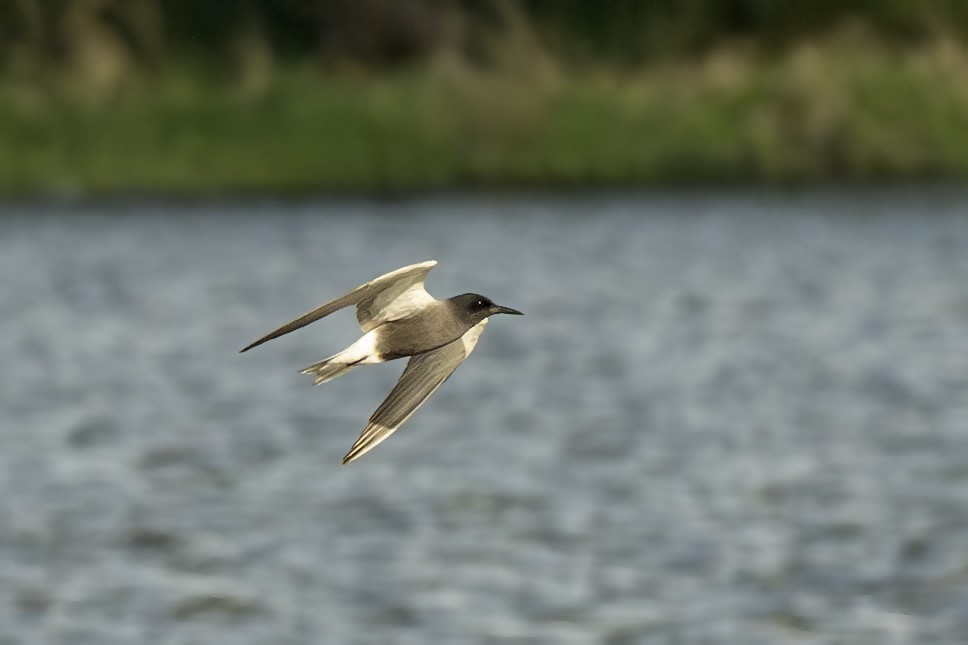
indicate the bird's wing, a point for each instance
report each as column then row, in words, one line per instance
column 393, row 296
column 390, row 296
column 424, row 374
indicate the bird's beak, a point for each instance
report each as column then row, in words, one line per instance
column 498, row 309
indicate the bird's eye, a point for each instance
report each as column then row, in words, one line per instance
column 479, row 303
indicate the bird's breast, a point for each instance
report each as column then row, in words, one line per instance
column 423, row 332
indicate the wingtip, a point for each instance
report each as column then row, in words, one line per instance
column 351, row 456
column 372, row 436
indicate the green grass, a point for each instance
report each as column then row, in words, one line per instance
column 832, row 110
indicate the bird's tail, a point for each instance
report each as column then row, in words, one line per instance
column 362, row 351
column 327, row 370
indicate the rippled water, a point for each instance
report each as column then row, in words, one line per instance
column 725, row 418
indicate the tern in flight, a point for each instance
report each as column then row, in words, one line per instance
column 399, row 318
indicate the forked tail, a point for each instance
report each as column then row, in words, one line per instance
column 362, row 351
column 327, row 370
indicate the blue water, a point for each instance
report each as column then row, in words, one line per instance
column 724, row 418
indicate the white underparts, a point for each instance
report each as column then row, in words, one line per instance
column 362, row 351
column 470, row 337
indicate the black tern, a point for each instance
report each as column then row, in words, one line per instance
column 399, row 318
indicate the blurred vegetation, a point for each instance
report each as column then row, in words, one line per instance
column 202, row 95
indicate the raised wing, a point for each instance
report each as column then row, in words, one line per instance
column 391, row 296
column 423, row 375
column 394, row 295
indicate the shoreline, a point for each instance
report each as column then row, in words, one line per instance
column 248, row 200
column 826, row 112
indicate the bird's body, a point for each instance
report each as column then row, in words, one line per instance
column 438, row 323
column 399, row 318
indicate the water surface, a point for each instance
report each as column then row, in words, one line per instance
column 725, row 418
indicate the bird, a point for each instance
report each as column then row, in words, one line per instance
column 400, row 319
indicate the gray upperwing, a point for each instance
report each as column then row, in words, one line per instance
column 372, row 299
column 305, row 319
column 424, row 374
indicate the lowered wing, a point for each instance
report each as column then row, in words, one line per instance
column 423, row 375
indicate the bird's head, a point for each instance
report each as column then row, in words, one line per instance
column 474, row 308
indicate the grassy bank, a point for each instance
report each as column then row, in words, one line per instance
column 840, row 108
